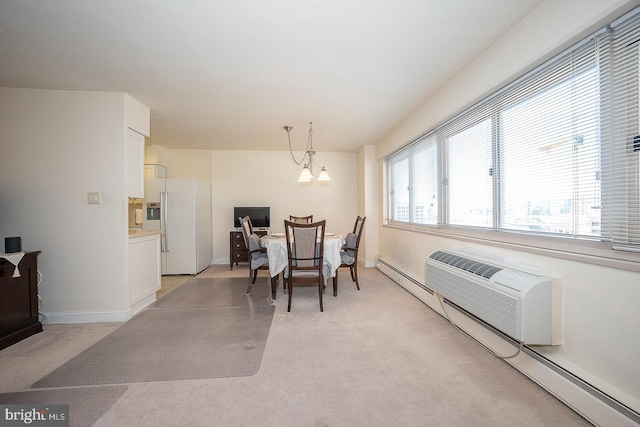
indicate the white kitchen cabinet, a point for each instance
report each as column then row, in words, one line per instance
column 135, row 164
column 144, row 269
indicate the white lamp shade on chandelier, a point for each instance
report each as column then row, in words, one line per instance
column 306, row 175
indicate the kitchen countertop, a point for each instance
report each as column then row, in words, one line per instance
column 141, row 233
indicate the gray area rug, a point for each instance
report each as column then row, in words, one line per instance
column 210, row 292
column 163, row 344
column 86, row 404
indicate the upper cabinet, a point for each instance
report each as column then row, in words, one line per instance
column 135, row 166
column 137, row 121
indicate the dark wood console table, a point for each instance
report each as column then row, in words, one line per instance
column 19, row 300
column 238, row 251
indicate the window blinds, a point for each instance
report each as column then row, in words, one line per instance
column 619, row 62
column 556, row 152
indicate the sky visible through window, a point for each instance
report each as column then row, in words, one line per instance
column 549, row 170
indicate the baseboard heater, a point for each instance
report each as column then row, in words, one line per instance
column 399, row 277
column 522, row 305
column 380, row 262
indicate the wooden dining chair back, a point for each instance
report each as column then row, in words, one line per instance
column 305, row 253
column 349, row 253
column 258, row 259
column 301, row 219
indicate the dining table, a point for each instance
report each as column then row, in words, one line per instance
column 276, row 246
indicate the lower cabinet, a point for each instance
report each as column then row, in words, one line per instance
column 237, row 249
column 19, row 299
column 144, row 270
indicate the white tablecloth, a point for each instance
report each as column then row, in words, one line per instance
column 276, row 245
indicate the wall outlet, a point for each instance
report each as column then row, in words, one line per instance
column 94, row 198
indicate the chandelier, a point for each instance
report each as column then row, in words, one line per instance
column 307, row 167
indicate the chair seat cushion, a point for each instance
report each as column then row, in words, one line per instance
column 259, row 261
column 347, row 257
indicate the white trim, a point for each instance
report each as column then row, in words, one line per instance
column 138, row 307
column 88, row 316
column 369, row 263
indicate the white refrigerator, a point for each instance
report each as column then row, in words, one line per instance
column 181, row 208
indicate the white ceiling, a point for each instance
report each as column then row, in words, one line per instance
column 229, row 74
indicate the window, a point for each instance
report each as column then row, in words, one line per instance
column 556, row 153
column 550, row 160
column 399, row 188
column 424, row 176
column 413, row 183
column 470, row 176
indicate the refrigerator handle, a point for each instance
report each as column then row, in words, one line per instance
column 164, row 199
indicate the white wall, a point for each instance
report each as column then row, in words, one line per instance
column 267, row 178
column 56, row 146
column 601, row 318
column 191, row 164
column 270, row 178
column 368, row 204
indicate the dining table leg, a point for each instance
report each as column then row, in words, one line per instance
column 274, row 287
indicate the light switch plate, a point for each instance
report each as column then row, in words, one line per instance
column 94, row 198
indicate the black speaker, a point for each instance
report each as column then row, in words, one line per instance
column 12, row 244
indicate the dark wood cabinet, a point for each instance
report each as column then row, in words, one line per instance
column 19, row 300
column 237, row 249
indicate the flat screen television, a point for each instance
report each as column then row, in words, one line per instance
column 260, row 216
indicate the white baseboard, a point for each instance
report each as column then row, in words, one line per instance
column 88, row 317
column 141, row 305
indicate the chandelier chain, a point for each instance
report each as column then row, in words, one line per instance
column 307, row 151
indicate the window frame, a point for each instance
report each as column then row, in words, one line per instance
column 594, row 249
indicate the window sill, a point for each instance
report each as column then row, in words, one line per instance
column 589, row 251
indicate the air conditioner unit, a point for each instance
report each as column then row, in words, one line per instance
column 523, row 305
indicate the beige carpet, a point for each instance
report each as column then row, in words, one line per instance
column 375, row 357
column 86, row 405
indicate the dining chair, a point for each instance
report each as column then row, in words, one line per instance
column 258, row 259
column 305, row 254
column 349, row 254
column 301, row 219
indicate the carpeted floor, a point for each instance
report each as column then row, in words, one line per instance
column 86, row 405
column 374, row 357
column 168, row 344
column 170, row 283
column 220, row 271
column 217, row 292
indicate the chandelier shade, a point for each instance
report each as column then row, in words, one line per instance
column 307, row 161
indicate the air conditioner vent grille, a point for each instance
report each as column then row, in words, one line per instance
column 475, row 267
